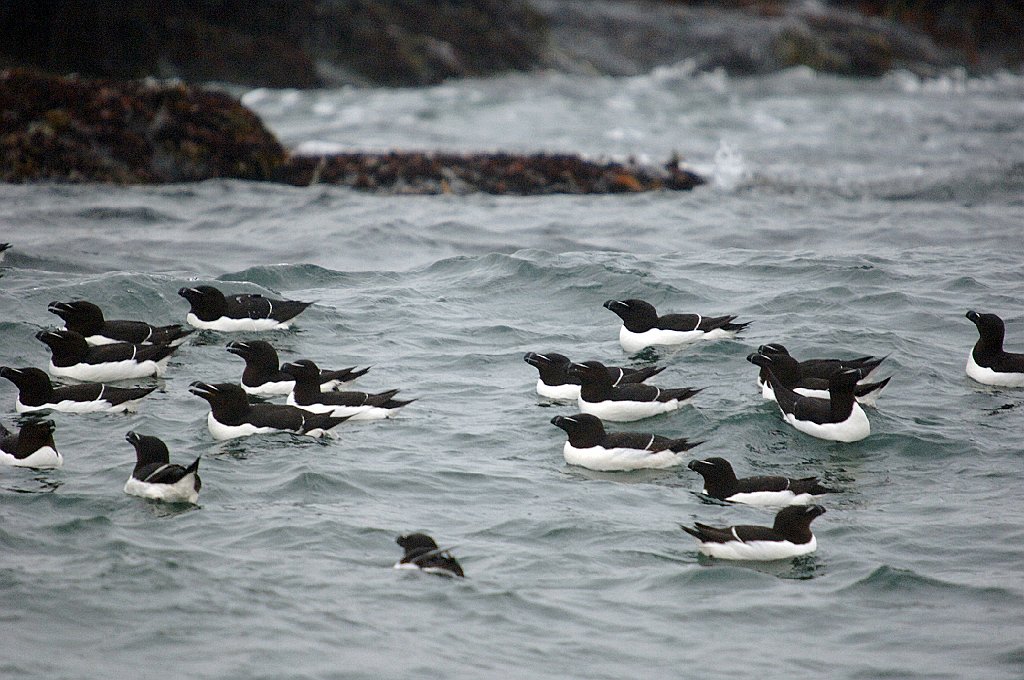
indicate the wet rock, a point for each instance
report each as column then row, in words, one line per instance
column 127, row 132
column 132, row 132
column 494, row 173
column 744, row 37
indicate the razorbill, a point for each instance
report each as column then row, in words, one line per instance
column 356, row 405
column 556, row 382
column 214, row 311
column 988, row 363
column 591, row 447
column 31, row 447
column 421, row 552
column 838, row 418
column 263, row 376
column 624, row 403
column 231, row 415
column 37, row 393
column 642, row 327
column 820, row 368
column 155, row 477
column 789, row 536
column 788, row 371
column 720, row 482
column 86, row 318
column 72, row 357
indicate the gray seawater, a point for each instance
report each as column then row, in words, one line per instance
column 845, row 217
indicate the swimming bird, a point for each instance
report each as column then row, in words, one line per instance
column 4, row 247
column 988, row 363
column 643, row 327
column 820, row 368
column 31, row 447
column 263, row 376
column 788, row 371
column 838, row 418
column 231, row 415
column 37, row 393
column 789, row 536
column 72, row 357
column 156, row 478
column 720, row 482
column 87, row 319
column 421, row 552
column 356, row 405
column 556, row 381
column 599, row 397
column 591, row 447
column 214, row 311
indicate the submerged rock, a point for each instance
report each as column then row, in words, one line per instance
column 132, row 132
column 494, row 173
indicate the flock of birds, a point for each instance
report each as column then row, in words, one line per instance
column 820, row 397
column 823, row 398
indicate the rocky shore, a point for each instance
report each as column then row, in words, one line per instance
column 54, row 128
column 313, row 43
column 109, row 123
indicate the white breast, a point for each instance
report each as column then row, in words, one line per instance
column 986, row 376
column 758, row 550
column 771, row 498
column 270, row 389
column 228, row 325
column 560, row 392
column 627, row 411
column 854, row 428
column 182, row 491
column 44, row 457
column 634, row 342
column 111, row 371
column 602, row 459
column 221, row 431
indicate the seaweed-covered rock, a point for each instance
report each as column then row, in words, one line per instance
column 495, row 173
column 131, row 132
column 127, row 132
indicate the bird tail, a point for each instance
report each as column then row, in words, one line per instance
column 695, row 532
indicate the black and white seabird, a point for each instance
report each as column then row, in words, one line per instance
column 37, row 393
column 643, row 327
column 212, row 310
column 557, row 382
column 355, row 405
column 72, row 357
column 421, row 552
column 820, row 368
column 788, row 371
column 31, row 447
column 4, row 247
column 988, row 363
column 838, row 418
column 720, row 482
column 86, row 319
column 231, row 415
column 591, row 447
column 624, row 403
column 790, row 536
column 263, row 376
column 156, row 478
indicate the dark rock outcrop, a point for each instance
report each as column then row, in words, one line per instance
column 132, row 132
column 273, row 43
column 494, row 173
column 127, row 132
